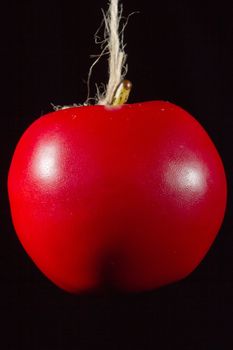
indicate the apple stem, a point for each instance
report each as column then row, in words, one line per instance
column 118, row 89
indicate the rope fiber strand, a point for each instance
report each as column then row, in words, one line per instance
column 113, row 46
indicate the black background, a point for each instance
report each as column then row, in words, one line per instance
column 181, row 51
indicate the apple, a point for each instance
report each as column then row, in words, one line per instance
column 131, row 197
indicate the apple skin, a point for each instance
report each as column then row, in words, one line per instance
column 129, row 197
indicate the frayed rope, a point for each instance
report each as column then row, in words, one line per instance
column 113, row 46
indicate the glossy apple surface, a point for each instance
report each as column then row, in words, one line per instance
column 132, row 196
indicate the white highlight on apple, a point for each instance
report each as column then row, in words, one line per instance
column 46, row 162
column 186, row 176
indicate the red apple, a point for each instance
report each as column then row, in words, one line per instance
column 130, row 196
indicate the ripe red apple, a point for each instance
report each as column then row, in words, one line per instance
column 131, row 196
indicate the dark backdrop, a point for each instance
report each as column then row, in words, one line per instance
column 181, row 51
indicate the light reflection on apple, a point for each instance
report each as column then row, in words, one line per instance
column 46, row 162
column 187, row 177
